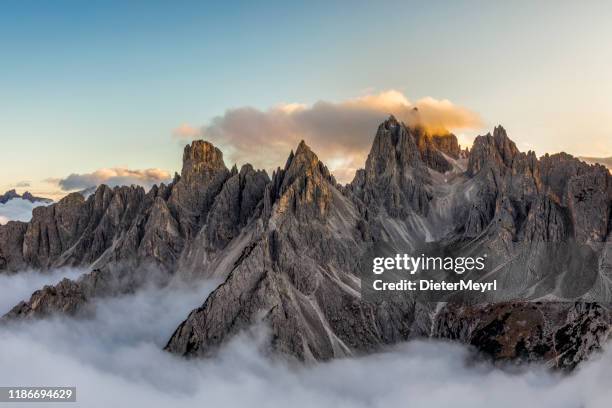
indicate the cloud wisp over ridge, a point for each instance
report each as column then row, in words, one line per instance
column 112, row 177
column 18, row 287
column 340, row 133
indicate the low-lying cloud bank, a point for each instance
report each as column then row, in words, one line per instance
column 341, row 133
column 116, row 359
column 113, row 177
column 17, row 209
column 18, row 287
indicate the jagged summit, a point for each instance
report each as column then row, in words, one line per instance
column 201, row 157
column 12, row 194
column 303, row 187
column 302, row 146
column 9, row 195
column 396, row 173
column 391, row 121
column 287, row 248
column 411, row 141
column 604, row 161
column 496, row 149
column 304, row 163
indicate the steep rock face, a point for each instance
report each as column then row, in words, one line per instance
column 75, row 231
column 53, row 230
column 162, row 238
column 432, row 149
column 448, row 144
column 589, row 198
column 124, row 223
column 492, row 151
column 235, row 205
column 584, row 189
column 231, row 225
column 202, row 177
column 299, row 277
column 517, row 193
column 11, row 244
column 395, row 176
column 288, row 248
column 508, row 182
column 536, row 209
column 303, row 188
column 66, row 297
column 131, row 237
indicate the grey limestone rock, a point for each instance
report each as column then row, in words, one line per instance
column 288, row 248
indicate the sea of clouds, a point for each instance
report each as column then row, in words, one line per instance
column 17, row 209
column 116, row 359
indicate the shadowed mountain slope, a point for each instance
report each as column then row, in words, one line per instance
column 289, row 249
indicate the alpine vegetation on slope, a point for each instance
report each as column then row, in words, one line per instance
column 289, row 249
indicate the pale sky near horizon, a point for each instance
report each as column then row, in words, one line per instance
column 90, row 86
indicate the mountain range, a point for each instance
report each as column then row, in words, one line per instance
column 289, row 247
column 12, row 194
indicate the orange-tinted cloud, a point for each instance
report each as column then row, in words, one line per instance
column 340, row 133
column 112, row 177
column 185, row 131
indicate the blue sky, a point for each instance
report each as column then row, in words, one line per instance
column 90, row 85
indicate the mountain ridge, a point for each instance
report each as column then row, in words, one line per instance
column 288, row 246
column 12, row 194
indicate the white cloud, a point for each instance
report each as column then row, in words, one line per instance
column 113, row 177
column 340, row 133
column 115, row 359
column 16, row 288
column 17, row 209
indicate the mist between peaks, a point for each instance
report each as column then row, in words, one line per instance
column 414, row 264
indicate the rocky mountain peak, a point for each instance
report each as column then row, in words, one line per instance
column 505, row 146
column 235, row 204
column 395, row 175
column 397, row 145
column 390, row 122
column 33, row 199
column 492, row 150
column 201, row 157
column 304, row 162
column 202, row 177
column 303, row 186
column 433, row 148
column 393, row 142
column 9, row 195
column 289, row 248
column 447, row 144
